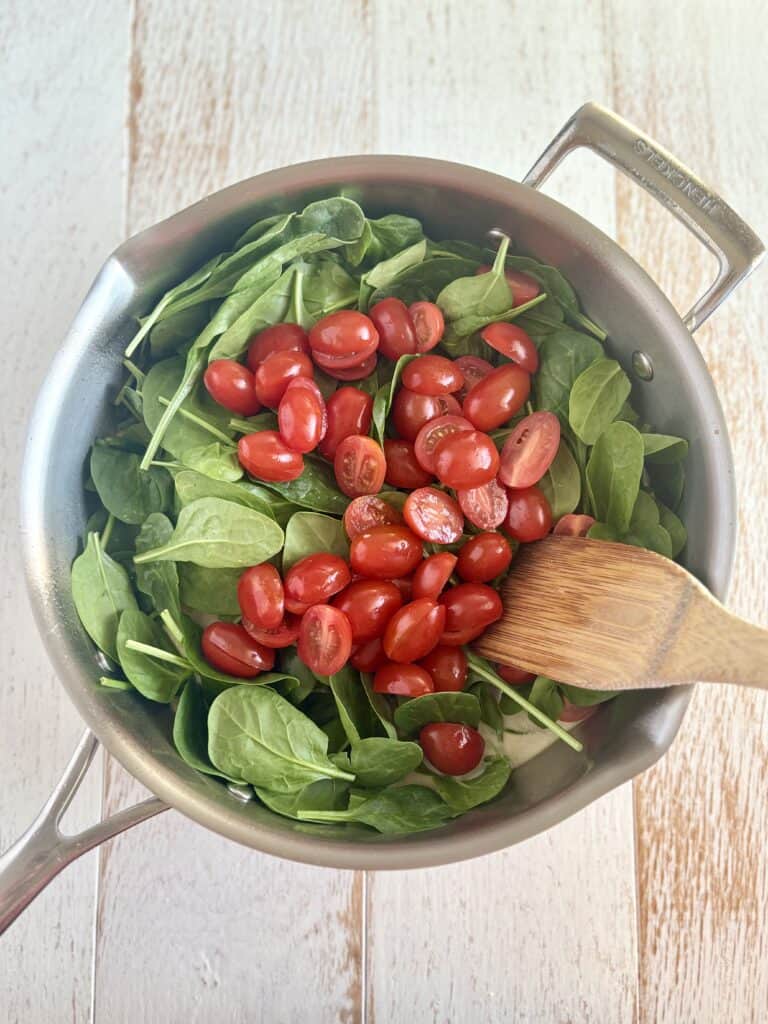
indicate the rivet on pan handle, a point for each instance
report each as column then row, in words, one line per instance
column 704, row 213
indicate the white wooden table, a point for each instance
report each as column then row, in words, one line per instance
column 650, row 906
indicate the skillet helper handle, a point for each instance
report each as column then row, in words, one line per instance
column 43, row 851
column 696, row 205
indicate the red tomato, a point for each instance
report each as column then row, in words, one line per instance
column 573, row 713
column 428, row 324
column 433, row 574
column 273, row 375
column 359, row 466
column 515, row 676
column 432, row 375
column 484, row 506
column 474, row 369
column 572, row 525
column 405, row 585
column 266, row 456
column 349, row 412
column 433, row 515
column 369, row 605
column 529, row 517
column 432, row 433
column 230, row 649
column 523, row 287
column 452, row 748
column 357, row 372
column 411, row 411
column 284, row 635
column 448, row 667
column 403, row 680
column 466, row 459
column 414, row 630
column 260, row 595
column 367, row 511
column 325, row 640
column 403, row 469
column 514, row 343
column 315, row 579
column 484, row 557
column 529, row 450
column 301, row 415
column 469, row 609
column 342, row 335
column 397, row 336
column 231, row 385
column 280, row 338
column 385, row 552
column 497, row 397
column 349, row 361
column 369, row 656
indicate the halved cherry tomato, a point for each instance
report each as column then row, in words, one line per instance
column 433, row 574
column 432, row 375
column 343, row 334
column 448, row 667
column 325, row 639
column 467, row 459
column 484, row 557
column 452, row 748
column 414, row 630
column 529, row 517
column 349, row 412
column 301, row 415
column 403, row 469
column 228, row 647
column 514, row 343
column 385, row 552
column 397, row 336
column 260, row 595
column 469, row 609
column 359, row 466
column 484, row 506
column 428, row 324
column 432, row 433
column 529, row 450
column 403, row 680
column 573, row 713
column 266, row 456
column 231, row 385
column 497, row 397
column 515, row 676
column 523, row 287
column 474, row 369
column 315, row 579
column 349, row 359
column 357, row 372
column 411, row 411
column 433, row 515
column 273, row 375
column 367, row 511
column 573, row 525
column 369, row 605
column 284, row 635
column 280, row 338
column 369, row 656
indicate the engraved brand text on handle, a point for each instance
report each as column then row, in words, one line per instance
column 694, row 191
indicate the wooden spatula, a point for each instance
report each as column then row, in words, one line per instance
column 615, row 617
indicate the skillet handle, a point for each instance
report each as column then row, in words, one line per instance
column 696, row 205
column 43, row 851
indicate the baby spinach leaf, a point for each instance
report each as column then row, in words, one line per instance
column 597, row 395
column 309, row 532
column 480, row 295
column 437, row 707
column 118, row 539
column 323, row 795
column 191, row 485
column 668, row 481
column 391, row 234
column 338, row 218
column 602, row 531
column 379, row 762
column 654, row 537
column 613, row 474
column 126, row 491
column 490, row 712
column 101, row 591
column 425, row 281
column 385, row 272
column 215, row 460
column 267, row 308
column 190, row 731
column 321, row 286
column 191, row 634
column 382, row 403
column 157, row 680
column 551, row 280
column 300, row 682
column 678, row 535
column 213, row 591
column 162, row 381
column 645, row 513
column 664, row 448
column 462, row 794
column 381, row 708
column 158, row 580
column 355, row 711
column 545, row 696
column 315, row 489
column 582, row 697
column 393, row 811
column 561, row 483
column 563, row 355
column 172, row 334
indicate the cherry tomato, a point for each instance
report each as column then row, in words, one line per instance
column 348, row 361
column 523, row 287
column 280, row 338
column 513, row 342
column 452, row 748
column 411, row 411
column 369, row 656
column 403, row 468
column 497, row 397
column 369, row 605
column 474, row 369
column 385, row 552
column 343, row 334
column 325, row 639
column 231, row 385
column 284, row 635
column 469, row 609
column 349, row 412
column 572, row 525
column 359, row 466
column 405, row 585
column 367, row 511
column 428, row 324
column 266, row 456
column 484, row 557
column 433, row 515
column 414, row 630
column 529, row 450
column 432, row 375
column 230, row 649
column 484, row 506
column 301, row 415
column 397, row 336
column 433, row 574
column 357, row 372
column 529, row 517
column 315, row 579
column 448, row 667
column 260, row 595
column 403, row 680
column 515, row 676
column 573, row 713
column 273, row 375
column 432, row 433
column 466, row 459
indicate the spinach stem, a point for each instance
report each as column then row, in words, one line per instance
column 115, row 684
column 159, row 653
column 107, row 531
column 133, row 369
column 167, row 465
column 200, row 422
column 172, row 629
column 241, row 426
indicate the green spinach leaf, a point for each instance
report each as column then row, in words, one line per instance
column 678, row 535
column 323, row 795
column 215, row 460
column 129, row 493
column 613, row 474
column 597, row 395
column 357, row 716
column 315, row 489
column 190, row 731
column 213, row 591
column 462, row 794
column 563, row 356
column 158, row 580
column 379, row 762
column 101, row 592
column 561, row 483
column 382, row 403
column 437, row 707
column 664, row 448
column 393, row 811
column 306, row 533
column 157, row 680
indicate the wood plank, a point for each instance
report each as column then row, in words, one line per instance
column 702, row 812
column 61, row 182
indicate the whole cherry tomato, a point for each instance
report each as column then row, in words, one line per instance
column 469, row 609
column 273, row 375
column 414, row 630
column 397, row 336
column 474, row 369
column 515, row 676
column 367, row 511
column 301, row 415
column 228, row 648
column 432, row 433
column 403, row 468
column 467, row 459
column 484, row 506
column 411, row 411
column 484, row 557
column 514, row 343
column 530, row 450
column 260, row 595
column 432, row 375
column 523, row 287
column 314, row 580
column 359, row 466
column 497, row 397
column 231, row 385
column 342, row 335
column 266, row 456
column 385, row 552
column 529, row 517
column 369, row 605
column 284, row 635
column 325, row 639
column 368, row 656
column 433, row 574
column 357, row 372
column 280, row 338
column 572, row 525
column 403, row 680
column 405, row 585
column 349, row 412
column 428, row 324
column 448, row 667
column 433, row 515
column 452, row 748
